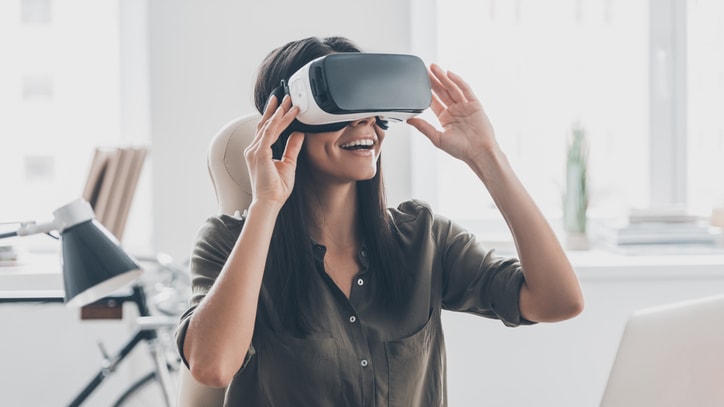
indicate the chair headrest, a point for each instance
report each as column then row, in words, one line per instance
column 227, row 166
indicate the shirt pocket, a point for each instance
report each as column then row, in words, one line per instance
column 415, row 367
column 300, row 371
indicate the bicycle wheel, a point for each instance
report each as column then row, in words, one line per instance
column 147, row 392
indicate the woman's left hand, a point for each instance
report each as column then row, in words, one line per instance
column 466, row 130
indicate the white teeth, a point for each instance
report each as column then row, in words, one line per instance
column 362, row 142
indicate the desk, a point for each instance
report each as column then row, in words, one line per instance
column 564, row 364
column 598, row 264
column 50, row 346
column 34, row 277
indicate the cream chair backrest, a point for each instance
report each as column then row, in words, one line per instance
column 232, row 185
column 227, row 166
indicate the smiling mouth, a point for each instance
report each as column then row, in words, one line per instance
column 365, row 144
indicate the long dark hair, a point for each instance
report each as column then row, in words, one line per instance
column 290, row 264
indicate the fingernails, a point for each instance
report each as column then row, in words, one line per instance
column 268, row 101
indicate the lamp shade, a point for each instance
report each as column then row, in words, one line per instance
column 94, row 264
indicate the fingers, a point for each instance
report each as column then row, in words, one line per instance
column 273, row 122
column 464, row 87
column 438, row 88
column 446, row 89
column 425, row 128
column 437, row 106
column 293, row 147
column 269, row 109
column 280, row 120
column 449, row 87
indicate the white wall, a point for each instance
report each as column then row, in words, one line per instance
column 203, row 60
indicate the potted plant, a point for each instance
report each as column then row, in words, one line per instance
column 575, row 198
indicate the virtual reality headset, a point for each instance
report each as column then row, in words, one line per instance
column 336, row 89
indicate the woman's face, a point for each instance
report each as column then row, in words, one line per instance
column 346, row 155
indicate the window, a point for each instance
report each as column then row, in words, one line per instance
column 705, row 79
column 35, row 11
column 63, row 95
column 541, row 67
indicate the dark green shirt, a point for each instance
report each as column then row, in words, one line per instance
column 365, row 354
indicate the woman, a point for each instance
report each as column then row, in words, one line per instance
column 320, row 296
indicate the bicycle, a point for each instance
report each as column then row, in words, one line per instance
column 157, row 387
column 160, row 296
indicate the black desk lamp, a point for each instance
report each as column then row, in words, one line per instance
column 94, row 264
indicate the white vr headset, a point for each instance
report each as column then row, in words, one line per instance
column 335, row 89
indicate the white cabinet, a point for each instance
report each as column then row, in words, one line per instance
column 567, row 363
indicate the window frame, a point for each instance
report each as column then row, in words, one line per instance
column 668, row 103
column 666, row 99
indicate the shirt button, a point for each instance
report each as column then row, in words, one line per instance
column 352, row 319
column 364, row 363
column 363, row 253
column 360, row 282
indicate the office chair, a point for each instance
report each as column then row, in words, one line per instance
column 230, row 177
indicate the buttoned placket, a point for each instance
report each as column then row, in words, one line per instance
column 355, row 327
column 359, row 291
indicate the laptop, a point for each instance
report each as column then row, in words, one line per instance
column 672, row 355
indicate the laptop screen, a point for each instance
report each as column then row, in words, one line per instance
column 671, row 355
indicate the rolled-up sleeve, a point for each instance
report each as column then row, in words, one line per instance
column 212, row 246
column 475, row 280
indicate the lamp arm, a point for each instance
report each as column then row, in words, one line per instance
column 31, row 228
column 34, row 228
column 69, row 215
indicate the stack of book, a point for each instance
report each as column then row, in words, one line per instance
column 8, row 255
column 651, row 231
column 111, row 185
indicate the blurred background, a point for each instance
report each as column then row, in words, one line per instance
column 644, row 79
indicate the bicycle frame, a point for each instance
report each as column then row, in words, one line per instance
column 147, row 334
column 148, row 327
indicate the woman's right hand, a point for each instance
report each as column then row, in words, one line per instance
column 272, row 180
